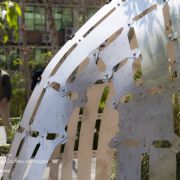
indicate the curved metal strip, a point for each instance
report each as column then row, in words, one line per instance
column 143, row 119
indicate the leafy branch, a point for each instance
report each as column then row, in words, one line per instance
column 9, row 14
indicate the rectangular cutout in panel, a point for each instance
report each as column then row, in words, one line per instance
column 62, row 148
column 171, row 52
column 145, row 167
column 56, row 86
column 108, row 41
column 35, row 150
column 81, row 111
column 137, row 72
column 99, row 22
column 93, row 168
column 178, row 166
column 144, row 13
column 51, row 136
column 76, row 144
column 63, row 59
column 103, row 100
column 127, row 98
column 162, row 144
column 34, row 133
column 120, row 65
column 19, row 148
column 75, row 168
column 96, row 134
column 113, row 169
column 167, row 19
column 132, row 38
column 176, row 113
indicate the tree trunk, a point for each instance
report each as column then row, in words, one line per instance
column 78, row 15
column 25, row 54
column 51, row 26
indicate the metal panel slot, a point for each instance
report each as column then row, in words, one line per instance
column 99, row 22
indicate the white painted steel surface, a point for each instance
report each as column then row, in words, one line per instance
column 145, row 119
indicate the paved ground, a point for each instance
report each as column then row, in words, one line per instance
column 2, row 162
column 2, row 136
column 2, row 142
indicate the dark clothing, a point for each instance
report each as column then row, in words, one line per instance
column 36, row 78
column 5, row 86
column 5, row 93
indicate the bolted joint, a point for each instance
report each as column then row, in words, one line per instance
column 115, row 142
column 173, row 36
column 107, row 75
column 136, row 53
column 63, row 91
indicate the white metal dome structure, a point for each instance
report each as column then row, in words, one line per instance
column 122, row 40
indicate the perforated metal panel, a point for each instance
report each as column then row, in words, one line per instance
column 133, row 48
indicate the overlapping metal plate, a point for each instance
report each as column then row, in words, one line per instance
column 145, row 110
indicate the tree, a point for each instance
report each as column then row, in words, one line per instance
column 25, row 54
column 9, row 14
column 51, row 26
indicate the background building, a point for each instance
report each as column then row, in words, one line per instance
column 68, row 16
column 44, row 27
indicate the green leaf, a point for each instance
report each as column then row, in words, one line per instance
column 16, row 36
column 6, row 4
column 5, row 38
column 1, row 26
column 18, row 9
column 8, row 19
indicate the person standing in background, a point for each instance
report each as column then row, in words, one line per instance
column 5, row 96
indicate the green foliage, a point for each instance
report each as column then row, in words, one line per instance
column 18, row 90
column 17, row 80
column 138, row 74
column 18, row 93
column 2, row 63
column 178, row 165
column 15, row 63
column 176, row 113
column 48, row 55
column 18, row 84
column 9, row 14
column 36, row 64
column 113, row 170
column 128, row 98
column 162, row 144
column 5, row 38
column 4, row 149
column 33, row 64
column 42, row 61
column 18, row 102
column 145, row 167
column 103, row 99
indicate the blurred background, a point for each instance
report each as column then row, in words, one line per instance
column 31, row 32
